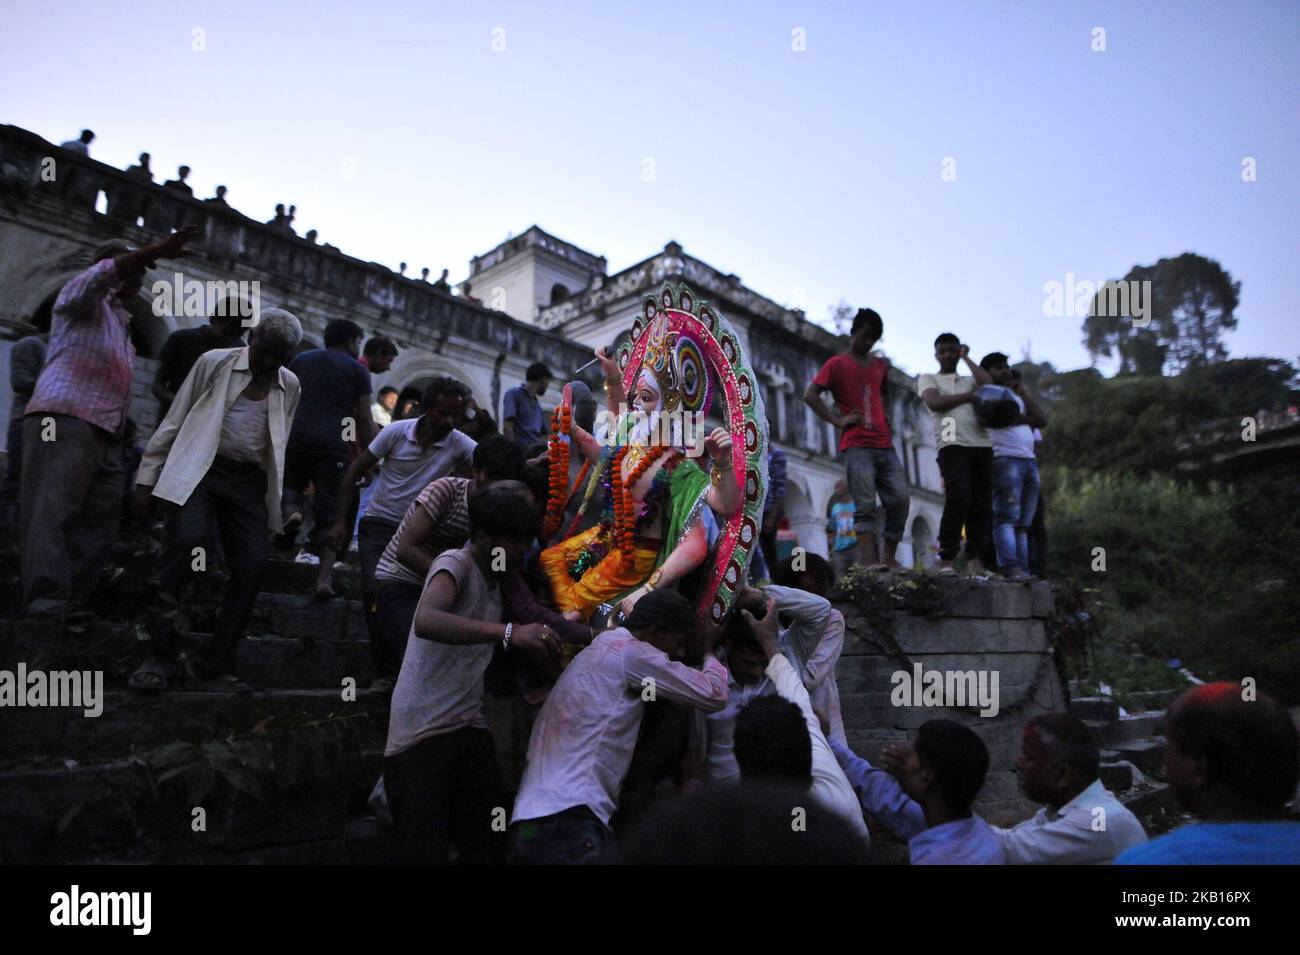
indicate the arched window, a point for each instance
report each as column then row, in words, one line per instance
column 558, row 294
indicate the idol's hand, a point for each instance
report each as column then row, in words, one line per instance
column 718, row 447
column 608, row 366
column 627, row 603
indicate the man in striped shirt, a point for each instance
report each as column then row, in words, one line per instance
column 72, row 481
column 436, row 521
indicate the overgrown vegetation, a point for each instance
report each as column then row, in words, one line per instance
column 1202, row 575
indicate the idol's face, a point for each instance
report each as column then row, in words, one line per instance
column 645, row 397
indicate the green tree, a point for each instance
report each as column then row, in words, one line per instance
column 1243, row 386
column 1111, row 331
column 1121, row 425
column 1193, row 302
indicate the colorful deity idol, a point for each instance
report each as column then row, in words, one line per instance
column 674, row 497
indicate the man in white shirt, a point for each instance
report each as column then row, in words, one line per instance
column 382, row 410
column 414, row 452
column 1015, row 472
column 779, row 738
column 218, row 457
column 811, row 643
column 1081, row 823
column 965, row 454
column 582, row 742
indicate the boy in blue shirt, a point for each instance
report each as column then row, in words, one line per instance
column 929, row 803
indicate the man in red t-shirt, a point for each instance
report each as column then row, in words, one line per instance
column 857, row 381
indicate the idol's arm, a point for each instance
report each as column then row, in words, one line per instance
column 685, row 557
column 586, row 444
column 724, row 495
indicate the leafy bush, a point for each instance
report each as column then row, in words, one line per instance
column 1206, row 575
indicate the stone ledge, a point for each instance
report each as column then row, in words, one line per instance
column 919, row 635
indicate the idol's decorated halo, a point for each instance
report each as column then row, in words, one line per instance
column 693, row 354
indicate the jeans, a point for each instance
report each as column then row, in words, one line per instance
column 872, row 470
column 397, row 602
column 373, row 536
column 71, row 493
column 571, row 837
column 967, row 501
column 1015, row 498
column 230, row 499
column 444, row 791
column 324, row 471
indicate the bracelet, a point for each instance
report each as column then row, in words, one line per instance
column 653, row 581
column 505, row 640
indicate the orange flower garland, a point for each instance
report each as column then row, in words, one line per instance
column 625, row 504
column 558, row 460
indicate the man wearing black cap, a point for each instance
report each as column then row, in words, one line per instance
column 582, row 742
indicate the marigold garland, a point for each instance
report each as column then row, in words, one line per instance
column 625, row 503
column 557, row 454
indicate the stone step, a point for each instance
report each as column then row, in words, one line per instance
column 128, row 810
column 289, row 577
column 293, row 615
column 1152, row 699
column 1117, row 777
column 1150, row 801
column 1147, row 755
column 1093, row 708
column 298, row 664
column 264, row 661
column 131, row 722
column 362, row 841
column 1133, row 727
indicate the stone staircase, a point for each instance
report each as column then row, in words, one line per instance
column 1133, row 754
column 202, row 773
column 281, row 772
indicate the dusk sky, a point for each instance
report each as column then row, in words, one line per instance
column 403, row 135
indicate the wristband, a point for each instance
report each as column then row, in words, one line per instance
column 505, row 640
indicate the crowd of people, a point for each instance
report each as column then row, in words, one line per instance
column 618, row 718
column 123, row 206
column 987, row 428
